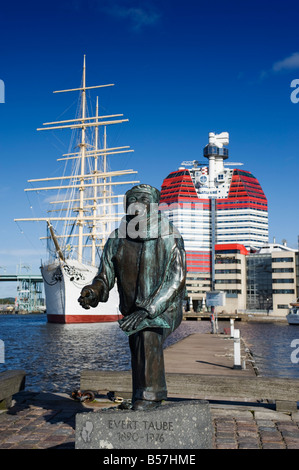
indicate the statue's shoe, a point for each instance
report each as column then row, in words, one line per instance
column 145, row 405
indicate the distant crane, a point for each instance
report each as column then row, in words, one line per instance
column 29, row 296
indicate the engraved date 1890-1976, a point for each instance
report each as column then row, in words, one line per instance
column 149, row 431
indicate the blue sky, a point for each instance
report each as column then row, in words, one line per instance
column 181, row 69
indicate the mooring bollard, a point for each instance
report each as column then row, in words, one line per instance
column 213, row 325
column 232, row 327
column 237, row 350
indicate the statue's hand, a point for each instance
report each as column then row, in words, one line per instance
column 89, row 297
column 132, row 321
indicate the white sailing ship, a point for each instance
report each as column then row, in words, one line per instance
column 85, row 210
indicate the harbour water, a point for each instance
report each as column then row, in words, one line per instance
column 53, row 355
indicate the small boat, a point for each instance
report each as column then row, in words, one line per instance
column 293, row 315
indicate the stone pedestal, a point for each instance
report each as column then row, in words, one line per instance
column 183, row 425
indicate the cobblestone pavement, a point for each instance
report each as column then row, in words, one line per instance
column 47, row 421
column 254, row 428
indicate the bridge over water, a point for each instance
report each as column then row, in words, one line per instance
column 29, row 296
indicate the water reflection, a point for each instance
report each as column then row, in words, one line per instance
column 271, row 346
column 53, row 355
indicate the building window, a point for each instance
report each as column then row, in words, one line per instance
column 227, row 260
column 283, row 281
column 232, row 292
column 259, row 282
column 282, row 260
column 227, row 271
column 282, row 270
column 283, row 291
column 282, row 306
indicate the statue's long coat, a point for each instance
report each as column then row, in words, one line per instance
column 151, row 275
column 150, row 272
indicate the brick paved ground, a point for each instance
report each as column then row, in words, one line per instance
column 255, row 428
column 47, row 421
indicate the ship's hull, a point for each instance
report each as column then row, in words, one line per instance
column 63, row 283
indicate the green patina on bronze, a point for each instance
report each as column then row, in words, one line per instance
column 146, row 257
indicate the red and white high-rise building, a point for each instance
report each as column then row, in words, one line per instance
column 214, row 204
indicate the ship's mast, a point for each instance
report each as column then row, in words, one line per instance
column 82, row 146
column 101, row 178
column 95, row 191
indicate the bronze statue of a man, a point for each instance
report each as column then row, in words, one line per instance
column 147, row 258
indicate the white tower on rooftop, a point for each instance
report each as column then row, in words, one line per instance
column 216, row 153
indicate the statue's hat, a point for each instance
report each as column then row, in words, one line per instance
column 145, row 188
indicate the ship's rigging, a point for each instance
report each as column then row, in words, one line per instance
column 86, row 206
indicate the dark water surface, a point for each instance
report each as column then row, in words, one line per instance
column 271, row 344
column 53, row 355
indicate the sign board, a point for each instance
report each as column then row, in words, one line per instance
column 215, row 299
